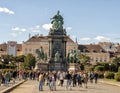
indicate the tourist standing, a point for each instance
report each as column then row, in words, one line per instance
column 96, row 77
column 7, row 78
column 74, row 77
column 61, row 78
column 52, row 82
column 41, row 81
column 85, row 78
column 0, row 78
column 91, row 77
column 68, row 78
column 79, row 80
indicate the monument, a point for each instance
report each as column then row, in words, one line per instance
column 73, row 60
column 57, row 44
column 41, row 59
column 56, row 59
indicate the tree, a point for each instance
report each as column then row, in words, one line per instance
column 116, row 61
column 5, row 58
column 29, row 61
column 117, row 76
column 8, row 61
column 84, row 59
column 20, row 58
column 99, row 68
column 105, row 65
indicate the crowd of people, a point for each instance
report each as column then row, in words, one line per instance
column 12, row 76
column 6, row 76
column 69, row 79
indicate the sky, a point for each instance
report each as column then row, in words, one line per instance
column 90, row 21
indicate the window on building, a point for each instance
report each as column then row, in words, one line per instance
column 25, row 49
column 33, row 50
column 30, row 50
column 105, row 60
column 100, row 59
column 91, row 59
column 96, row 59
column 84, row 50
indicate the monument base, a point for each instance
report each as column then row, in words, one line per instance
column 42, row 66
column 74, row 67
column 57, row 66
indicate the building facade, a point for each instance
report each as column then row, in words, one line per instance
column 95, row 52
column 7, row 49
column 38, row 41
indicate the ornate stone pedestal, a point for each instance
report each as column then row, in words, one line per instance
column 42, row 66
column 74, row 67
column 57, row 66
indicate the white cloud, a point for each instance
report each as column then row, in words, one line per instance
column 69, row 28
column 34, row 29
column 117, row 38
column 31, row 29
column 73, row 37
column 102, row 38
column 19, row 29
column 23, row 29
column 20, row 33
column 37, row 26
column 15, row 28
column 47, row 26
column 85, row 39
column 6, row 10
column 13, row 34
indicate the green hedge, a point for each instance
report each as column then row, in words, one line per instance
column 117, row 76
column 99, row 68
column 119, row 69
column 109, row 75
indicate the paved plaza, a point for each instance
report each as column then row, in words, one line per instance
column 32, row 87
column 11, row 85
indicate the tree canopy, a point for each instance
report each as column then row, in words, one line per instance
column 84, row 58
column 29, row 61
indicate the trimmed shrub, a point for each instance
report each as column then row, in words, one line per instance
column 101, row 74
column 91, row 69
column 109, row 75
column 119, row 69
column 117, row 76
column 99, row 68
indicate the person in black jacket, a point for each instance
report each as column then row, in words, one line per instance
column 96, row 77
column 68, row 78
column 74, row 78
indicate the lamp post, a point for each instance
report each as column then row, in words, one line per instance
column 118, row 64
column 9, row 65
column 2, row 63
column 2, row 60
column 110, row 67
